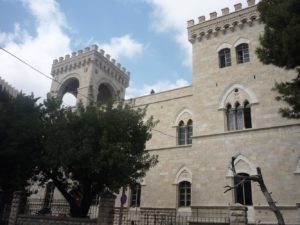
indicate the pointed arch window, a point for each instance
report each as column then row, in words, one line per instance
column 181, row 133
column 224, row 58
column 243, row 192
column 247, row 115
column 230, row 117
column 242, row 53
column 239, row 117
column 135, row 200
column 184, row 194
column 189, row 131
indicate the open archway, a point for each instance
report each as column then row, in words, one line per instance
column 68, row 91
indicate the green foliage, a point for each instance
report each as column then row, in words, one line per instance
column 85, row 151
column 95, row 149
column 20, row 142
column 290, row 93
column 280, row 46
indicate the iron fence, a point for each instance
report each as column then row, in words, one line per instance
column 161, row 217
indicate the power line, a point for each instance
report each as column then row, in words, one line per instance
column 164, row 133
column 40, row 72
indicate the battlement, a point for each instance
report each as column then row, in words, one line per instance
column 226, row 22
column 85, row 57
column 10, row 89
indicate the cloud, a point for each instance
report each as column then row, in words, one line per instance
column 170, row 17
column 124, row 46
column 159, row 86
column 49, row 41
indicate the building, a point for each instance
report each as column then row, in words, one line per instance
column 229, row 110
column 7, row 87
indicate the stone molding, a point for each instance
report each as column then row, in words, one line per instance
column 220, row 25
column 228, row 91
column 246, row 130
column 251, row 170
column 183, row 174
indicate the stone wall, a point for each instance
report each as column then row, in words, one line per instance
column 47, row 220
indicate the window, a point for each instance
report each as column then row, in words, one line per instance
column 181, row 133
column 189, row 131
column 247, row 115
column 184, row 194
column 238, row 117
column 242, row 53
column 185, row 133
column 243, row 192
column 224, row 58
column 135, row 195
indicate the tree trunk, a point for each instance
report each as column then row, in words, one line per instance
column 269, row 198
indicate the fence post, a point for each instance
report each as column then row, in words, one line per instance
column 17, row 206
column 106, row 209
column 238, row 214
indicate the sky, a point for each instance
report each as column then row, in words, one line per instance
column 148, row 37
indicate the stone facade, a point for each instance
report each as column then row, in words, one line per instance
column 271, row 142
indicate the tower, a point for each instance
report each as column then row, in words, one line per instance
column 90, row 75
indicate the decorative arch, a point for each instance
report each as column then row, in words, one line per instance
column 241, row 41
column 180, row 114
column 242, row 165
column 183, row 174
column 250, row 95
column 222, row 46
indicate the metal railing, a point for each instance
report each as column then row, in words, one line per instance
column 170, row 217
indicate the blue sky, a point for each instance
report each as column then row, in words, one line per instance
column 148, row 37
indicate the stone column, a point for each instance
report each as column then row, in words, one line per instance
column 106, row 209
column 238, row 214
column 17, row 206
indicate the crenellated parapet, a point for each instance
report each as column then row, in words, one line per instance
column 91, row 56
column 10, row 89
column 227, row 22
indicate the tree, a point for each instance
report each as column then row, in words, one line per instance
column 93, row 150
column 259, row 179
column 20, row 132
column 280, row 46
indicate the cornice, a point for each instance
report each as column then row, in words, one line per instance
column 222, row 25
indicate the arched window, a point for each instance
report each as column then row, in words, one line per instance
column 184, row 194
column 189, row 131
column 135, row 200
column 239, row 117
column 243, row 192
column 230, row 117
column 181, row 133
column 242, row 53
column 247, row 115
column 224, row 58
